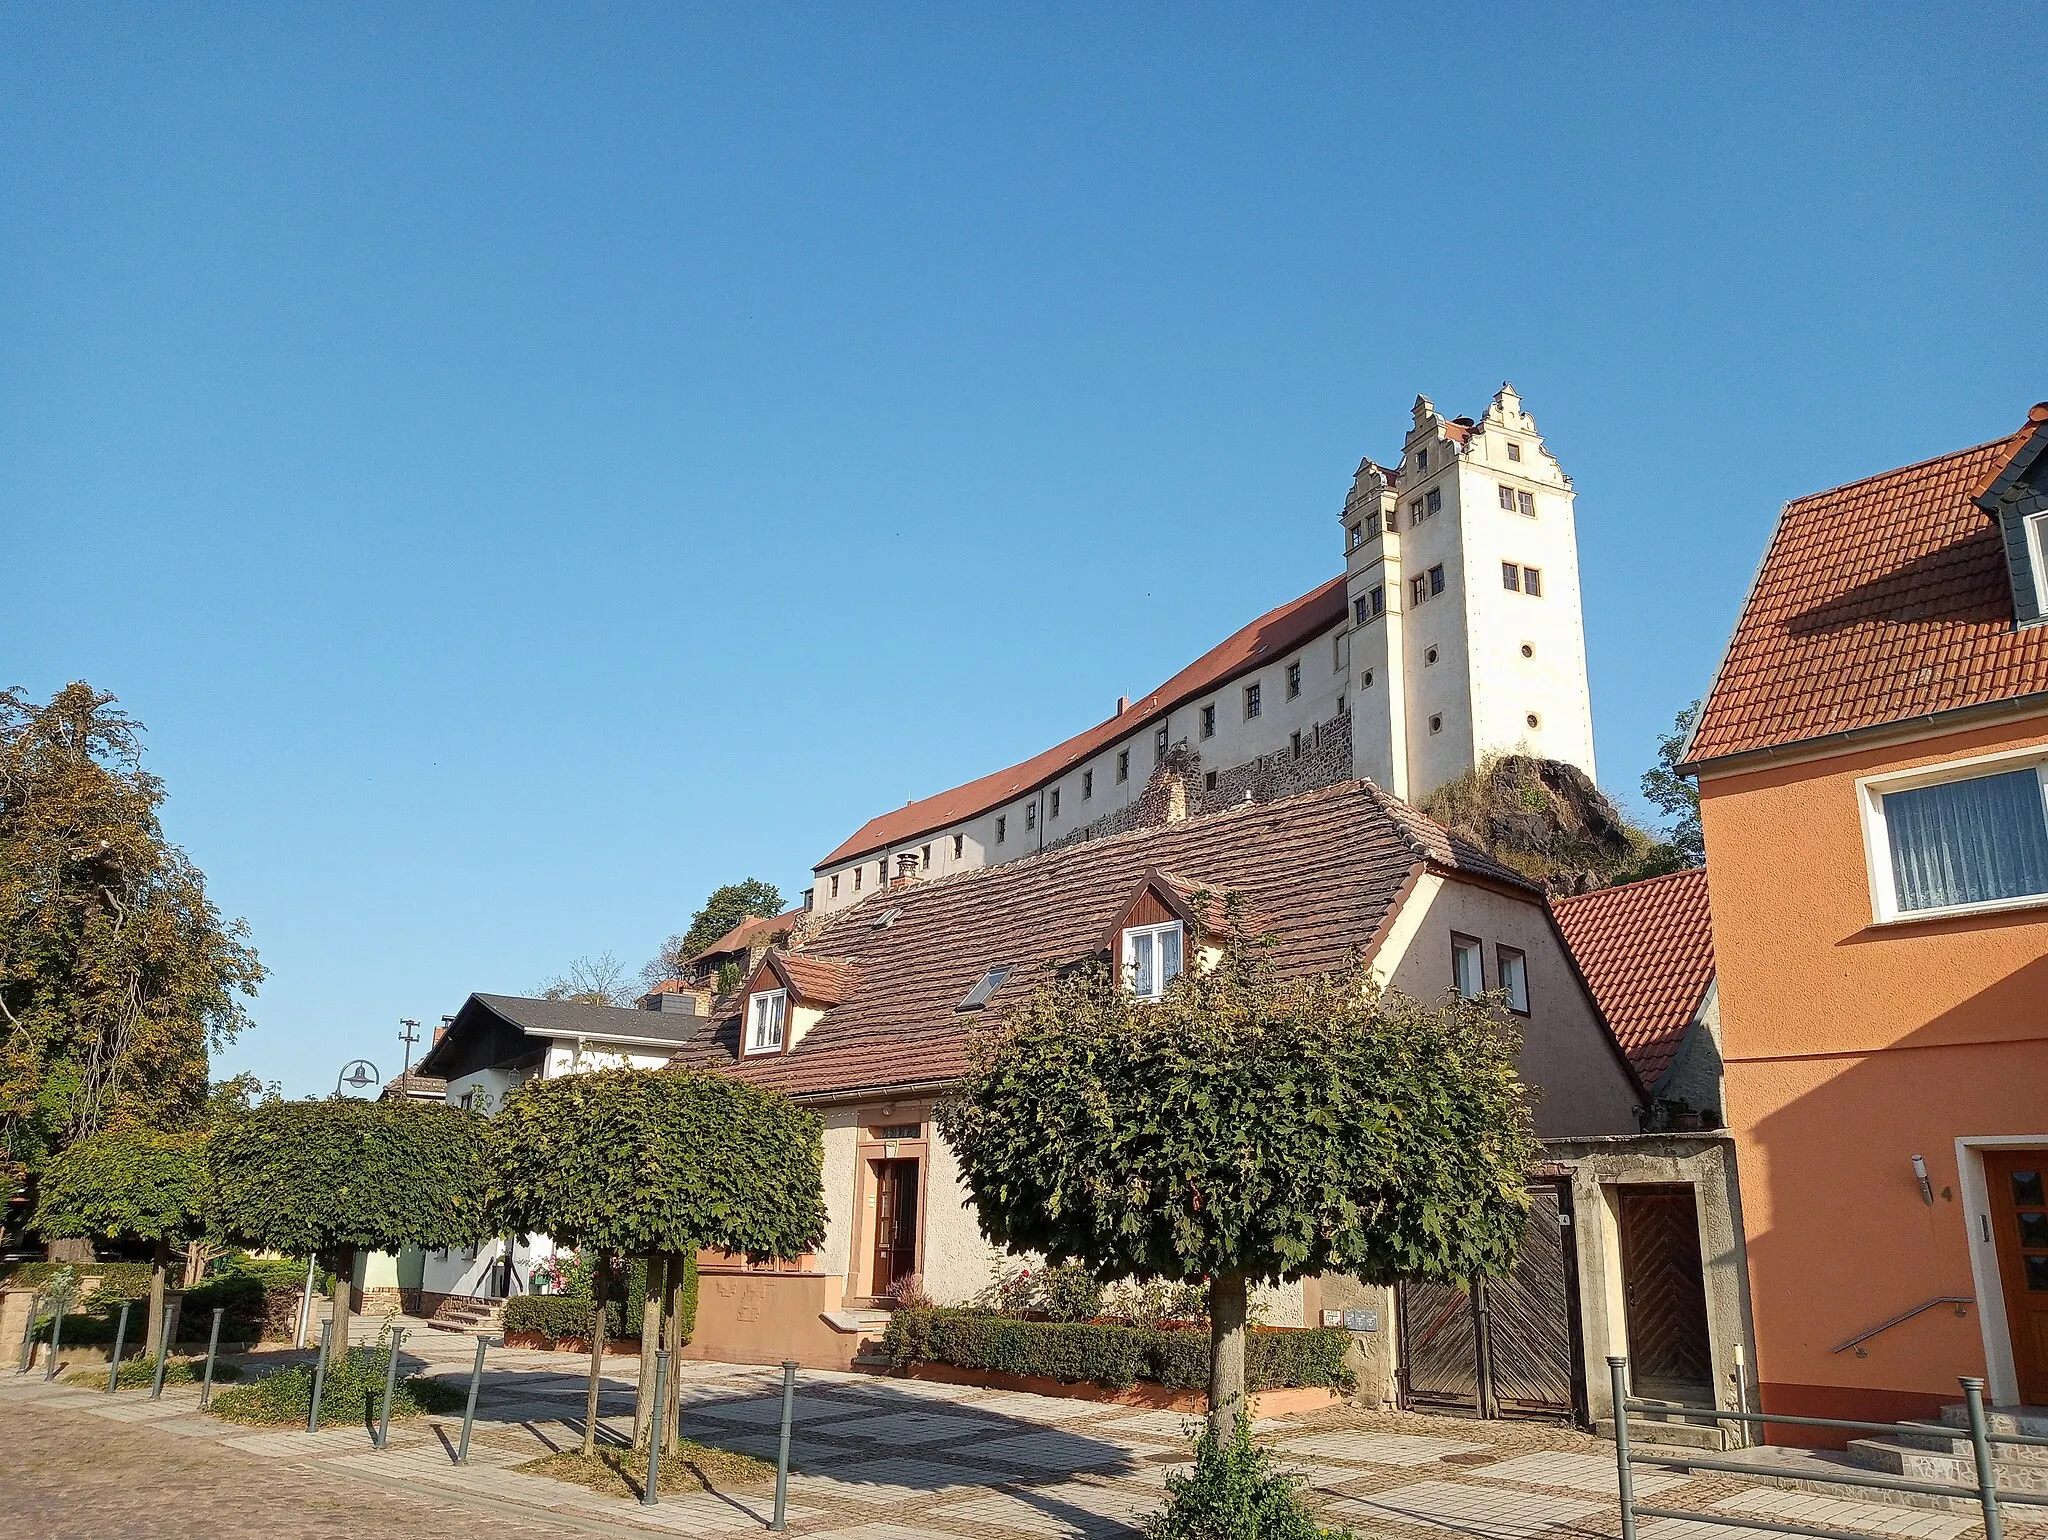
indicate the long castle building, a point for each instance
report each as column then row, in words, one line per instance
column 1453, row 633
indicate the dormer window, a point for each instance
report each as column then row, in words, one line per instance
column 2037, row 553
column 1151, row 958
column 765, row 1013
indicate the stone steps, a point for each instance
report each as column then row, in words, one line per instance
column 471, row 1314
column 1644, row 1433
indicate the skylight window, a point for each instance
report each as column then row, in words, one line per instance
column 886, row 918
column 979, row 995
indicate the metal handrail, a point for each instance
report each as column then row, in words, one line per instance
column 1907, row 1315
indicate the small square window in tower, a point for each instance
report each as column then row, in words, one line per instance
column 1353, row 538
column 1208, row 720
column 1418, row 590
column 1507, row 498
column 1525, row 503
column 1511, row 576
column 1415, row 513
column 1435, row 500
column 1159, row 741
column 1436, row 580
column 1532, row 582
column 1422, row 459
column 857, row 871
column 1514, row 450
column 1123, row 764
column 1251, row 701
column 1372, row 527
column 1054, row 810
column 1293, row 680
column 1030, row 815
column 1087, row 784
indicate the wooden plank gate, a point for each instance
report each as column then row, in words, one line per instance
column 1505, row 1347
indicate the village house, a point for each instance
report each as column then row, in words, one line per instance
column 1870, row 762
column 1453, row 632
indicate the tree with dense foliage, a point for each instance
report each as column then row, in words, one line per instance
column 1667, row 789
column 657, row 1164
column 129, row 1182
column 331, row 1178
column 599, row 980
column 117, row 974
column 725, row 908
column 1247, row 1131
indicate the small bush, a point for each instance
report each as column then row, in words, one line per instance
column 141, row 1373
column 907, row 1293
column 240, row 1296
column 352, row 1394
column 1234, row 1493
column 1159, row 1302
column 556, row 1316
column 118, row 1280
column 1069, row 1292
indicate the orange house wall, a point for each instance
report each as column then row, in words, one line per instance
column 1851, row 1047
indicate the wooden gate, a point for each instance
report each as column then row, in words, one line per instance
column 1664, row 1290
column 1506, row 1347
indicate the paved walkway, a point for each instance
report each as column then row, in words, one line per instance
column 876, row 1459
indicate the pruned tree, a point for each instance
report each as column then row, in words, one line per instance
column 599, row 980
column 723, row 909
column 656, row 1163
column 331, row 1178
column 1246, row 1131
column 129, row 1182
column 117, row 974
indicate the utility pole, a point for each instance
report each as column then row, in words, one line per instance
column 409, row 1036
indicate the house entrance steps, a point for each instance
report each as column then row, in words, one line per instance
column 1670, row 1428
column 470, row 1313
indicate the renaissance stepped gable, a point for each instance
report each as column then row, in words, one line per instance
column 1453, row 633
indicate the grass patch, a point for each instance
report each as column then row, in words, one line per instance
column 353, row 1393
column 618, row 1472
column 141, row 1373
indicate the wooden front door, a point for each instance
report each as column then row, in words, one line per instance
column 2019, row 1222
column 895, row 1222
column 1670, row 1355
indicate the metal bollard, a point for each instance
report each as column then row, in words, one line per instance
column 28, row 1338
column 1617, row 1373
column 56, row 1337
column 319, row 1377
column 782, row 1456
column 476, row 1377
column 1987, row 1474
column 212, row 1347
column 651, row 1494
column 390, row 1387
column 120, row 1337
column 163, row 1356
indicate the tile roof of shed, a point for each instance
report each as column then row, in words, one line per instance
column 1324, row 870
column 754, row 927
column 1877, row 602
column 1647, row 951
column 1263, row 641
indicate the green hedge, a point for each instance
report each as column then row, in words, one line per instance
column 1112, row 1356
column 118, row 1280
column 555, row 1316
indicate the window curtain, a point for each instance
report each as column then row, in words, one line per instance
column 1968, row 842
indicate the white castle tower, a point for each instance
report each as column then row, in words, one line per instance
column 1462, row 569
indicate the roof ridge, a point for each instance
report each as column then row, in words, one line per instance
column 1638, row 884
column 1899, row 470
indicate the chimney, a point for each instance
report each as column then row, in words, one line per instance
column 1123, row 704
column 906, row 870
column 442, row 1030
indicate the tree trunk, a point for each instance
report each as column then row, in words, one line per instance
column 1226, row 1353
column 160, row 1262
column 600, row 1275
column 672, row 1339
column 344, row 1293
column 652, row 1299
column 197, row 1255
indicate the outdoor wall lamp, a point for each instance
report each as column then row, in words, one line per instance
column 1920, row 1175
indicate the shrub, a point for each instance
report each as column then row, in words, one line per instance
column 352, row 1393
column 1069, row 1292
column 1112, row 1356
column 242, row 1298
column 1234, row 1493
column 907, row 1293
column 556, row 1316
column 136, row 1372
column 118, row 1280
column 1157, row 1301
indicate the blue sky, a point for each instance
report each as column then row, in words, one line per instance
column 527, row 465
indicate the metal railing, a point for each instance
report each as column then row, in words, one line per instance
column 1958, row 1300
column 1985, row 1493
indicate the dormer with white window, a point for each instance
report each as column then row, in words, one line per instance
column 1157, row 928
column 788, row 996
column 2017, row 497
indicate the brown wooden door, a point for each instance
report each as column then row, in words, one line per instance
column 2019, row 1223
column 895, row 1222
column 1670, row 1356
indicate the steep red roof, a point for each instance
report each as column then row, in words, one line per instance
column 1322, row 871
column 748, row 931
column 1647, row 950
column 1881, row 601
column 818, row 980
column 1259, row 643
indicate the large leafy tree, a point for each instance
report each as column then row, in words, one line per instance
column 126, row 1182
column 1666, row 788
column 117, row 974
column 331, row 1178
column 1247, row 1131
column 724, row 909
column 656, row 1163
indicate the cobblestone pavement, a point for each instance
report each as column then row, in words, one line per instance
column 875, row 1459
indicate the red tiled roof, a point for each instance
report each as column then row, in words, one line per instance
column 1881, row 601
column 818, row 980
column 742, row 935
column 1647, row 950
column 1323, row 870
column 1260, row 642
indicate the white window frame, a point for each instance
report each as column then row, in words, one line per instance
column 2036, row 526
column 1871, row 790
column 755, row 1042
column 1511, row 978
column 1463, row 945
column 1130, row 964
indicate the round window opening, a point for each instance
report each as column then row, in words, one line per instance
column 1534, row 720
column 1528, row 651
column 1436, row 724
column 1366, row 679
column 1429, row 656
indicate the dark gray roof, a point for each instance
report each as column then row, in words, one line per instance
column 572, row 1018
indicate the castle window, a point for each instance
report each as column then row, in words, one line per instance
column 882, row 872
column 1340, row 705
column 925, row 859
column 1528, row 651
column 1123, row 764
column 1378, row 596
column 1436, row 724
column 1435, row 500
column 1087, row 784
column 1534, row 720
column 1525, row 503
column 835, row 884
column 1353, row 537
column 1415, row 511
column 858, row 872
column 1251, row 701
column 1055, row 809
column 1208, row 721
column 1293, row 680
column 1209, row 781
column 1372, row 527
column 1031, row 815
column 1511, row 576
column 1507, row 498
column 1002, row 827
column 1418, row 590
column 1365, row 680
column 959, row 844
column 1422, row 459
column 1294, row 744
column 1514, row 450
column 764, row 1021
column 1159, row 744
column 1361, row 611
column 1532, row 582
column 1151, row 958
column 1429, row 657
column 1436, row 580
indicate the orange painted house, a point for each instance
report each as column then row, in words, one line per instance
column 1872, row 760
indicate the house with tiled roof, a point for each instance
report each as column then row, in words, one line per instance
column 1872, row 759
column 739, row 948
column 1647, row 951
column 1452, row 633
